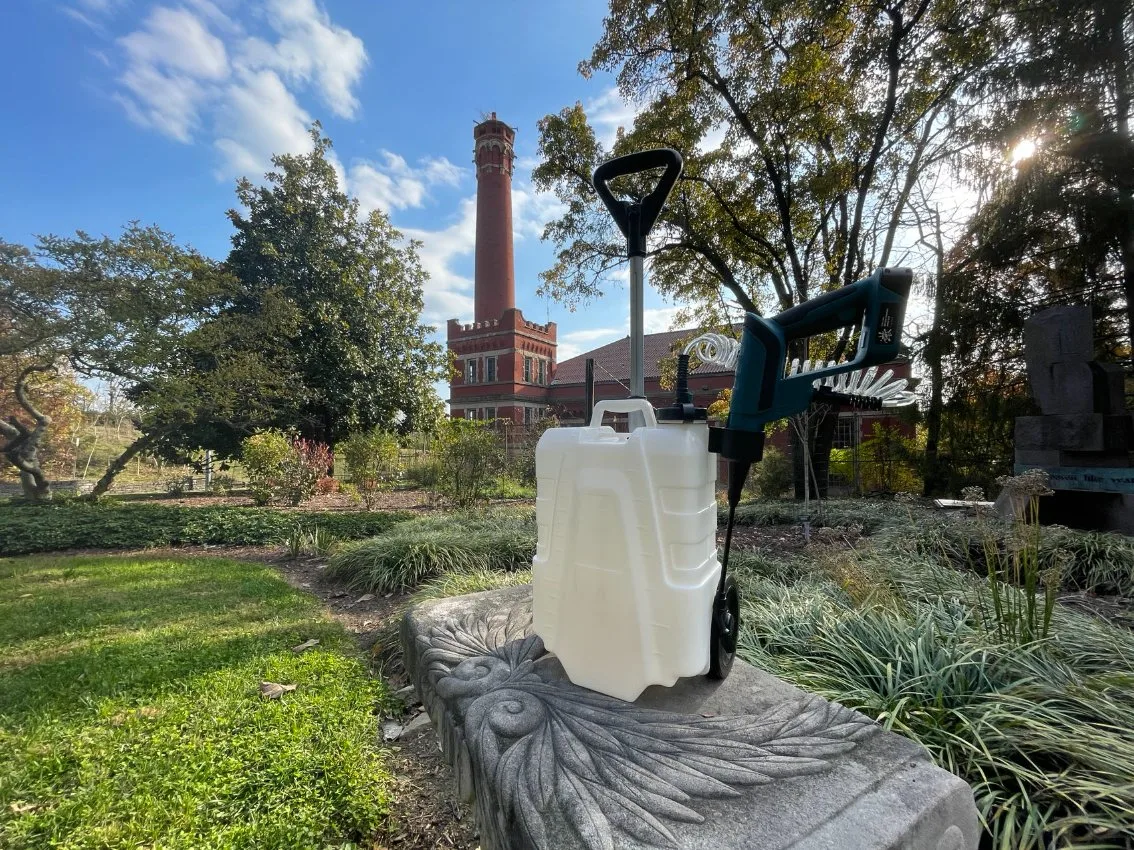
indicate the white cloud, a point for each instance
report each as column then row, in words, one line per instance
column 448, row 294
column 170, row 63
column 659, row 319
column 260, row 117
column 194, row 68
column 531, row 211
column 574, row 343
column 392, row 184
column 607, row 113
column 313, row 49
column 177, row 42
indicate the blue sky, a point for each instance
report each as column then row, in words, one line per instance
column 124, row 109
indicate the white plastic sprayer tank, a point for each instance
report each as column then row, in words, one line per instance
column 626, row 564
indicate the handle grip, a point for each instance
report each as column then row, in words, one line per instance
column 623, row 405
column 636, row 227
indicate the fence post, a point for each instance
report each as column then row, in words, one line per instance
column 589, row 390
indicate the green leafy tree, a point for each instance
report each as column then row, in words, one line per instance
column 116, row 308
column 806, row 127
column 358, row 346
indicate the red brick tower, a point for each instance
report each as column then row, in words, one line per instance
column 505, row 363
column 495, row 272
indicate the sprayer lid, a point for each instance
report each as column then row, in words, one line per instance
column 682, row 413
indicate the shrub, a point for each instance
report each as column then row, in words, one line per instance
column 282, row 469
column 223, row 484
column 772, row 475
column 469, row 457
column 423, row 473
column 263, row 455
column 522, row 466
column 372, row 459
column 429, row 546
column 175, row 486
column 869, row 514
column 78, row 525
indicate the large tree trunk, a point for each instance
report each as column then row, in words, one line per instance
column 120, row 462
column 934, row 483
column 22, row 448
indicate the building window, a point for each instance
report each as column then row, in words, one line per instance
column 470, row 372
column 490, row 369
column 844, row 433
column 527, row 416
column 528, row 370
column 490, row 413
column 470, row 413
column 543, row 371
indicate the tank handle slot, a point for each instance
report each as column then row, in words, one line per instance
column 623, row 405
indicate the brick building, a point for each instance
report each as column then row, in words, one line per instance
column 506, row 364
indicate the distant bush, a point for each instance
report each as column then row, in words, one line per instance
column 283, row 469
column 79, row 525
column 372, row 459
column 522, row 465
column 223, row 484
column 423, row 548
column 469, row 457
column 772, row 475
column 422, row 473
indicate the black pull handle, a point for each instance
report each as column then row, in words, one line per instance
column 635, row 220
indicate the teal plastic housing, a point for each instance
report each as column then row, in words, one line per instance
column 763, row 392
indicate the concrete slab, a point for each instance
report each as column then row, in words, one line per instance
column 750, row 762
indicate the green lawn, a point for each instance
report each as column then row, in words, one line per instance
column 130, row 712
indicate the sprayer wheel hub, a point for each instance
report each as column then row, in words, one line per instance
column 724, row 630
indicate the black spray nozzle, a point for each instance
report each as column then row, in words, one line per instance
column 826, row 395
column 681, row 394
column 682, row 409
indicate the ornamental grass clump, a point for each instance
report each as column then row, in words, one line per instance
column 430, row 546
column 1041, row 731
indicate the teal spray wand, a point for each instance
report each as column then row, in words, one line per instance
column 763, row 393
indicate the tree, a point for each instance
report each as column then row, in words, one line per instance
column 358, row 347
column 114, row 308
column 805, row 127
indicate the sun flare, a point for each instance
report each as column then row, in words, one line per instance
column 1024, row 149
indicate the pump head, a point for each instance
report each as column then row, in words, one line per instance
column 763, row 392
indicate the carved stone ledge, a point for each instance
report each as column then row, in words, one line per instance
column 751, row 762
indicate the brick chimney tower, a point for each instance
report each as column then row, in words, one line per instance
column 495, row 282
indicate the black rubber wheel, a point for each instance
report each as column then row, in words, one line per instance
column 723, row 632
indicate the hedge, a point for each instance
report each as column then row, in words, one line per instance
column 25, row 529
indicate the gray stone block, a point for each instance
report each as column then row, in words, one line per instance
column 1110, row 388
column 1072, row 389
column 1059, row 335
column 1039, row 457
column 1031, row 434
column 1086, row 432
column 751, row 762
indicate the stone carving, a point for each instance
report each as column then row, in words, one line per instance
column 560, row 756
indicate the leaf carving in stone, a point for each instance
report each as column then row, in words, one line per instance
column 611, row 771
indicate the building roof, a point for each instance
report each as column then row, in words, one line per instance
column 612, row 361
